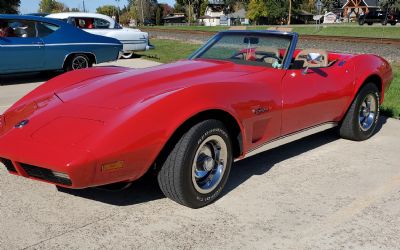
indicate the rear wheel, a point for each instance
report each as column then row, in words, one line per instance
column 78, row 61
column 362, row 117
column 127, row 55
column 197, row 168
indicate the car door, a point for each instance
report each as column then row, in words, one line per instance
column 320, row 95
column 23, row 50
column 55, row 51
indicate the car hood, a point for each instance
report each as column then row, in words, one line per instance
column 134, row 86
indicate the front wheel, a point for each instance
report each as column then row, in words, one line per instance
column 197, row 168
column 361, row 119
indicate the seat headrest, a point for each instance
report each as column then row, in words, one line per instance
column 302, row 56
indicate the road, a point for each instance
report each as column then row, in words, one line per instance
column 321, row 192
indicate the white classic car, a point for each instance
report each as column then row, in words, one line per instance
column 98, row 24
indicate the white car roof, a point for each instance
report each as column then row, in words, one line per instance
column 65, row 15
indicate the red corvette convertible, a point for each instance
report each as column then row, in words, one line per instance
column 240, row 94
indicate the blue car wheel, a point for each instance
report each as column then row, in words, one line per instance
column 78, row 61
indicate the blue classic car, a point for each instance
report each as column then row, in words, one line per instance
column 31, row 43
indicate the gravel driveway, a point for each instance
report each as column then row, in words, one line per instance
column 317, row 193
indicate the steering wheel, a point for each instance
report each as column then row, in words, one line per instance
column 237, row 54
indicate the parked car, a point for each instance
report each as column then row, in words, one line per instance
column 37, row 44
column 132, row 39
column 240, row 94
column 378, row 16
column 38, row 14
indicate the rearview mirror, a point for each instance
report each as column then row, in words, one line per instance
column 251, row 40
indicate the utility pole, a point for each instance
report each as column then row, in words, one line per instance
column 117, row 1
column 83, row 3
column 290, row 12
column 141, row 4
column 189, row 13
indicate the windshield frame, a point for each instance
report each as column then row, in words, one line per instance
column 286, row 60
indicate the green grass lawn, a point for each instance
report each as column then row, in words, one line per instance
column 169, row 50
column 375, row 31
column 391, row 105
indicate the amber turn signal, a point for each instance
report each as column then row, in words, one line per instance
column 112, row 166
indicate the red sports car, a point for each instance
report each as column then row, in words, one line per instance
column 240, row 94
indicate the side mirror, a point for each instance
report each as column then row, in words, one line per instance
column 313, row 58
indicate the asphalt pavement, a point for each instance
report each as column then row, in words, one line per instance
column 321, row 192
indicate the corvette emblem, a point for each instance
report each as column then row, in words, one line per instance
column 21, row 124
column 260, row 110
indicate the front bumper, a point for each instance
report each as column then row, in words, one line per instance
column 49, row 164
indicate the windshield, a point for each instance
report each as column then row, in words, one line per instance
column 247, row 48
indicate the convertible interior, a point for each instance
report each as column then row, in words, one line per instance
column 270, row 55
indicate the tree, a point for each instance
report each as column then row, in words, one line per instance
column 51, row 6
column 109, row 10
column 125, row 18
column 146, row 9
column 166, row 9
column 257, row 9
column 390, row 4
column 193, row 7
column 9, row 6
column 158, row 15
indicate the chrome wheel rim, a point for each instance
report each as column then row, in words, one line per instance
column 368, row 112
column 209, row 164
column 80, row 62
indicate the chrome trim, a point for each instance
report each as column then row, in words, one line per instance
column 290, row 138
column 55, row 44
column 209, row 165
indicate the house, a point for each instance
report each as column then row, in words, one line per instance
column 357, row 7
column 213, row 13
column 330, row 17
column 238, row 18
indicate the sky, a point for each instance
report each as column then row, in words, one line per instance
column 31, row 6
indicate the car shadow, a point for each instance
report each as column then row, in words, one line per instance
column 23, row 78
column 141, row 191
column 146, row 189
